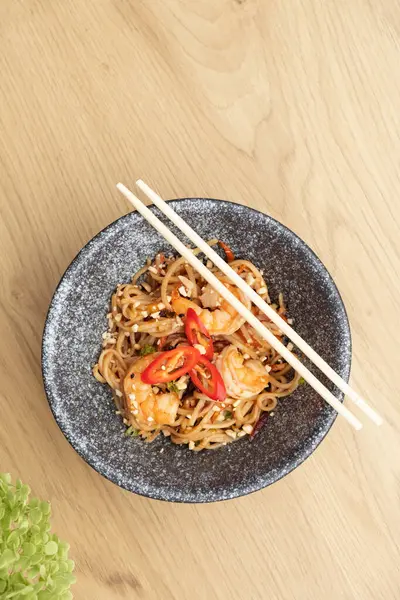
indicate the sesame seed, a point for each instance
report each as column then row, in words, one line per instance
column 161, row 305
column 150, row 419
column 118, row 317
column 118, row 393
column 135, row 328
column 182, row 291
column 216, row 409
column 162, row 450
column 125, row 421
column 272, row 413
column 290, row 321
column 105, row 335
column 155, row 315
column 223, row 405
column 247, row 428
column 246, row 356
column 145, row 314
column 117, row 412
column 156, row 389
column 136, row 304
column 235, row 404
column 241, row 433
column 262, row 290
column 137, row 346
column 231, row 433
column 135, row 411
column 290, row 346
column 191, row 445
column 163, row 367
column 267, row 368
column 209, row 264
column 188, row 416
column 132, row 397
column 169, row 298
column 264, row 358
column 166, row 433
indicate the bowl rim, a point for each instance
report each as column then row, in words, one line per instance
column 297, row 461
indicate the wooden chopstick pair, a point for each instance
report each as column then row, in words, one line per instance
column 262, row 331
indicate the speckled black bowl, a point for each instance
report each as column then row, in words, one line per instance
column 84, row 408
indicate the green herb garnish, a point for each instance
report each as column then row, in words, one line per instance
column 147, row 349
column 34, row 562
column 131, row 432
column 302, row 381
column 171, row 385
column 228, row 414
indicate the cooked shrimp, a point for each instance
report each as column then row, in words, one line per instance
column 242, row 378
column 142, row 402
column 223, row 320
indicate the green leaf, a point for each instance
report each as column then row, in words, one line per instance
column 51, row 548
column 228, row 414
column 131, row 432
column 302, row 381
column 171, row 385
column 147, row 349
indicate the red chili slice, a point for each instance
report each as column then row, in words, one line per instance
column 171, row 365
column 197, row 333
column 228, row 252
column 208, row 380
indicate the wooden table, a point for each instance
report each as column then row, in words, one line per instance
column 291, row 107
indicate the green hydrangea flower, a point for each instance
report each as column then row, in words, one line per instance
column 34, row 563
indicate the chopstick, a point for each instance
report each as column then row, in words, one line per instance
column 263, row 331
column 306, row 349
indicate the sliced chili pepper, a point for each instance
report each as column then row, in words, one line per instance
column 228, row 252
column 260, row 424
column 208, row 380
column 171, row 365
column 197, row 333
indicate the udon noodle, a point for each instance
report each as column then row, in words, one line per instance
column 147, row 318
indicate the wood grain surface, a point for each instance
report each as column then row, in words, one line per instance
column 291, row 107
